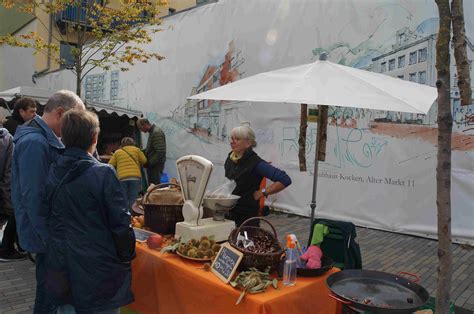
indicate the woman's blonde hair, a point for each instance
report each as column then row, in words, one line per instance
column 127, row 141
column 244, row 132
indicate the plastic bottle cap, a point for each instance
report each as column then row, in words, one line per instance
column 289, row 242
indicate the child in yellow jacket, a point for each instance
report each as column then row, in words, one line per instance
column 128, row 160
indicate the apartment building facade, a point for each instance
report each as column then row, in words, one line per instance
column 21, row 67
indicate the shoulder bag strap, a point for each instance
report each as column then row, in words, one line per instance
column 131, row 157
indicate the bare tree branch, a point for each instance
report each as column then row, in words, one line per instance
column 460, row 53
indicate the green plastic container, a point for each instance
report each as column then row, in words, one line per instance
column 431, row 305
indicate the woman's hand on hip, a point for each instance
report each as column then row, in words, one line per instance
column 258, row 195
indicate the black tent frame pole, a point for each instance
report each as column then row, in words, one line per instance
column 315, row 176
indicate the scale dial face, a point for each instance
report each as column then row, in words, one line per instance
column 194, row 173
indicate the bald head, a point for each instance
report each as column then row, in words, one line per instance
column 64, row 99
column 61, row 102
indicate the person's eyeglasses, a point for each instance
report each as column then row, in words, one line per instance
column 234, row 139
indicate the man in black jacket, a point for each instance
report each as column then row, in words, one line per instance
column 24, row 110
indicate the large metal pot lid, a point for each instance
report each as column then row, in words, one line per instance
column 374, row 289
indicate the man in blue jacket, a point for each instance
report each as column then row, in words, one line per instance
column 37, row 145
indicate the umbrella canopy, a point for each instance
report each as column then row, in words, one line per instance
column 327, row 83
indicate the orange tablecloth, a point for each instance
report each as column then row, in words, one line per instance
column 169, row 284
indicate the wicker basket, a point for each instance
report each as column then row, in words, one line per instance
column 252, row 259
column 162, row 218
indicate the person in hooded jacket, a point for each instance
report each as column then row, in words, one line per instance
column 91, row 241
column 247, row 169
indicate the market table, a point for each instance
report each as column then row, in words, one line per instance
column 167, row 283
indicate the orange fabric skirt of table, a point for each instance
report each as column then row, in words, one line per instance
column 169, row 284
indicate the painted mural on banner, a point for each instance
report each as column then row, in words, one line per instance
column 380, row 169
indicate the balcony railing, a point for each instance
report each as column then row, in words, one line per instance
column 78, row 15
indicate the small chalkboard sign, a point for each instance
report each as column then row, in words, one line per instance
column 226, row 262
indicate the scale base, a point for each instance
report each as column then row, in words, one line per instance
column 208, row 226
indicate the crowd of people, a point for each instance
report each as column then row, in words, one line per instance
column 72, row 211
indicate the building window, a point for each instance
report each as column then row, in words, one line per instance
column 412, row 77
column 401, row 76
column 412, row 58
column 383, row 67
column 201, row 104
column 114, row 84
column 66, row 55
column 401, row 61
column 391, row 65
column 422, row 54
column 95, row 87
column 422, row 77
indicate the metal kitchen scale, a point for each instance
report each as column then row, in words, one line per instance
column 194, row 173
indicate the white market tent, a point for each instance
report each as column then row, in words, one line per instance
column 41, row 95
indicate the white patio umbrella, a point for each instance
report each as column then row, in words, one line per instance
column 327, row 83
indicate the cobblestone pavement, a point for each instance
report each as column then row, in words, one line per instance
column 392, row 252
column 383, row 251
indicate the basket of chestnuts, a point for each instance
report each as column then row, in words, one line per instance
column 260, row 247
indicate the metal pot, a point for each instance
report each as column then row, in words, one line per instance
column 377, row 292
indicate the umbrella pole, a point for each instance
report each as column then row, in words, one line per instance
column 315, row 178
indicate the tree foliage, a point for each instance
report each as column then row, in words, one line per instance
column 100, row 33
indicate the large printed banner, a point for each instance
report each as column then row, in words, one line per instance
column 380, row 169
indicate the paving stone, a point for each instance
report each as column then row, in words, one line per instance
column 25, row 312
column 469, row 306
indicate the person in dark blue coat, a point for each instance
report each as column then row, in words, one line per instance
column 91, row 243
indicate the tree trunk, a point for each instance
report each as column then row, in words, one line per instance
column 322, row 131
column 443, row 168
column 302, row 137
column 460, row 54
column 78, row 82
column 78, row 57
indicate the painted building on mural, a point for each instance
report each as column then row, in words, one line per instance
column 414, row 59
column 211, row 117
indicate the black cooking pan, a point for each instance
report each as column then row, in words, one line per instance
column 376, row 291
